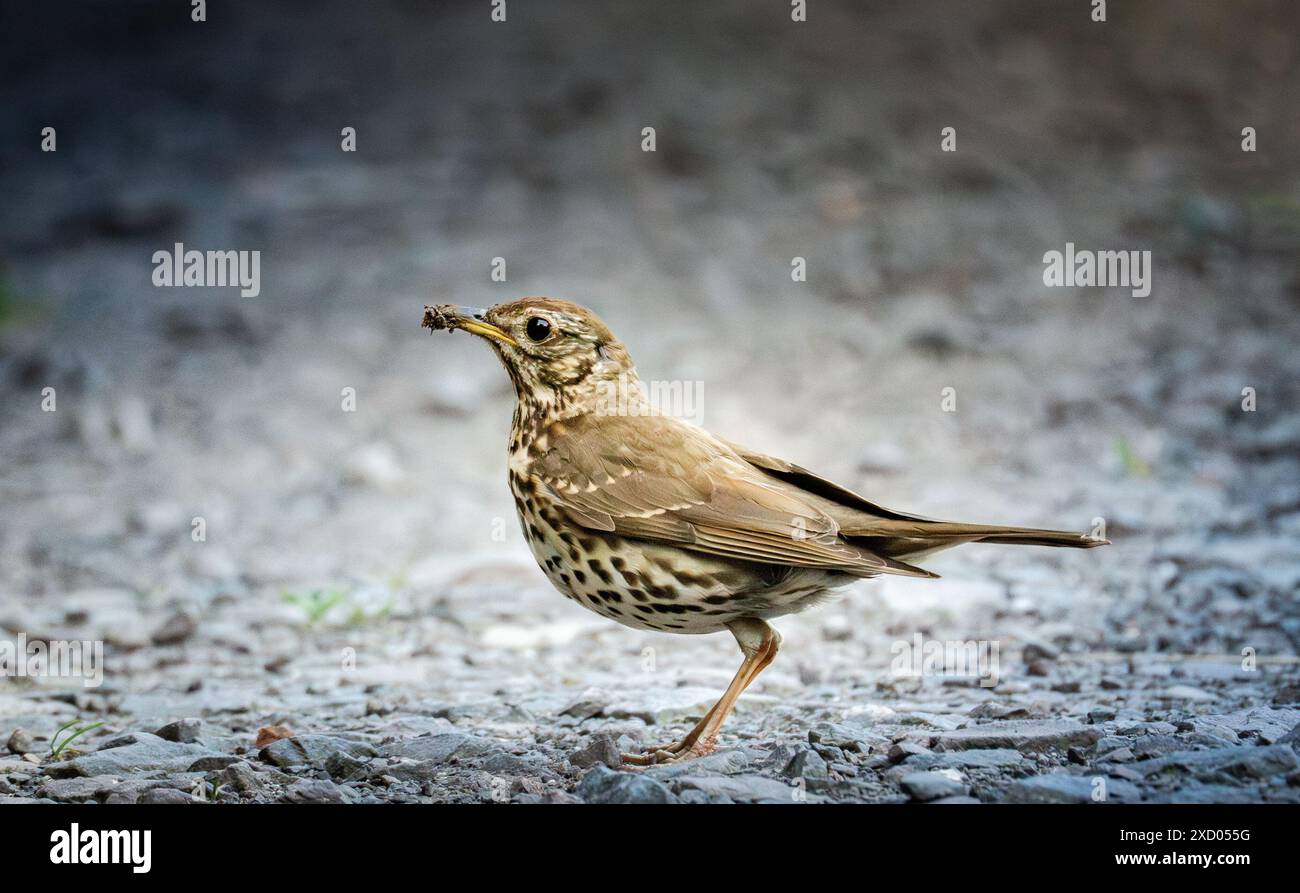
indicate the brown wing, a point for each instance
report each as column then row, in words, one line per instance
column 816, row 484
column 660, row 479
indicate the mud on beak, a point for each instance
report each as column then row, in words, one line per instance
column 471, row 319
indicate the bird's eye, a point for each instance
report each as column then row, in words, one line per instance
column 538, row 329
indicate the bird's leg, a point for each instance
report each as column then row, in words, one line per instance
column 759, row 643
column 651, row 755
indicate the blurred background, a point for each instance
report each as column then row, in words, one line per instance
column 390, row 529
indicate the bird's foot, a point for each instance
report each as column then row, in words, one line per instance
column 677, row 752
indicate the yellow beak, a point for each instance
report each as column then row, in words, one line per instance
column 487, row 330
column 450, row 316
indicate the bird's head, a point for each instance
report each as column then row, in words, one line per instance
column 560, row 356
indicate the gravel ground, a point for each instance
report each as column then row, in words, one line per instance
column 363, row 587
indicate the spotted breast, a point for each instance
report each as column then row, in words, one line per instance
column 639, row 583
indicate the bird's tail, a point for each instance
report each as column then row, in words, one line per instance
column 1016, row 536
column 897, row 538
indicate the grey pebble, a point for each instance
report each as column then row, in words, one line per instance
column 1061, row 788
column 1024, row 735
column 600, row 748
column 313, row 790
column 20, row 742
column 926, row 786
column 809, row 765
column 184, row 731
column 311, row 750
column 603, row 785
column 742, row 788
column 75, row 789
column 144, row 752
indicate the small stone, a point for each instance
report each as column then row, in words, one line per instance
column 925, row 786
column 1060, row 788
column 166, row 795
column 20, row 766
column 1109, row 743
column 1267, row 724
column 904, row 749
column 721, row 762
column 999, row 758
column 550, row 797
column 994, row 710
column 175, row 629
column 439, row 749
column 843, row 736
column 780, row 757
column 75, row 789
column 1195, row 792
column 743, row 788
column 809, row 765
column 20, row 742
column 526, row 785
column 1227, row 763
column 1038, row 649
column 314, row 750
column 1147, row 746
column 342, row 766
column 600, row 748
column 876, row 762
column 603, row 785
column 831, row 754
column 1027, row 736
column 1287, row 695
column 1146, row 728
column 376, row 707
column 1127, row 773
column 313, row 790
column 267, row 734
column 1119, row 755
column 502, row 763
column 144, row 752
column 213, row 761
column 245, row 778
column 184, row 731
column 1101, row 714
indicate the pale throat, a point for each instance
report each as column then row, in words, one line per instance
column 602, row 391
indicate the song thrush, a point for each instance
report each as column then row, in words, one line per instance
column 660, row 525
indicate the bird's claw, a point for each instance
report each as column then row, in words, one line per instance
column 677, row 752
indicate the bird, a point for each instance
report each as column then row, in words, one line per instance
column 658, row 524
